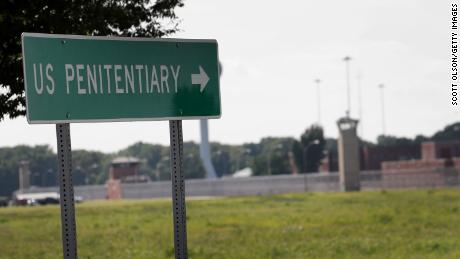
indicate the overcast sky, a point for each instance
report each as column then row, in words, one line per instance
column 272, row 51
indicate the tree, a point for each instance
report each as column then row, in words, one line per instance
column 193, row 167
column 392, row 141
column 42, row 165
column 450, row 132
column 88, row 165
column 271, row 157
column 130, row 18
column 156, row 160
column 227, row 159
column 150, row 155
column 309, row 151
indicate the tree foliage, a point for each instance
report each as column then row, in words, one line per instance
column 450, row 132
column 309, row 151
column 271, row 156
column 89, row 167
column 392, row 141
column 156, row 160
column 129, row 18
column 42, row 165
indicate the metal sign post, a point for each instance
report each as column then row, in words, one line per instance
column 178, row 190
column 69, row 231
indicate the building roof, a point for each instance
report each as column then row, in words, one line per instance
column 245, row 172
column 126, row 160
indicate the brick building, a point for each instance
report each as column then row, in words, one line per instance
column 372, row 157
column 434, row 155
column 428, row 155
column 126, row 169
column 123, row 170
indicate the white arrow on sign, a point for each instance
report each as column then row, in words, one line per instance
column 201, row 79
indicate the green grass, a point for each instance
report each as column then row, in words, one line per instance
column 381, row 224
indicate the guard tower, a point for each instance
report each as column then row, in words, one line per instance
column 348, row 148
column 124, row 169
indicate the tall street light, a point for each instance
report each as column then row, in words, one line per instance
column 347, row 60
column 318, row 81
column 360, row 108
column 381, row 86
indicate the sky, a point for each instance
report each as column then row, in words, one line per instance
column 272, row 51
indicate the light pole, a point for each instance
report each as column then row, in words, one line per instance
column 360, row 108
column 318, row 81
column 305, row 152
column 347, row 60
column 381, row 86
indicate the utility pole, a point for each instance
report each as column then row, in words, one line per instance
column 347, row 60
column 360, row 108
column 318, row 81
column 381, row 86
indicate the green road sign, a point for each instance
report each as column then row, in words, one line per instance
column 71, row 78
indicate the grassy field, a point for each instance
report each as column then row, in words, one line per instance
column 381, row 224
